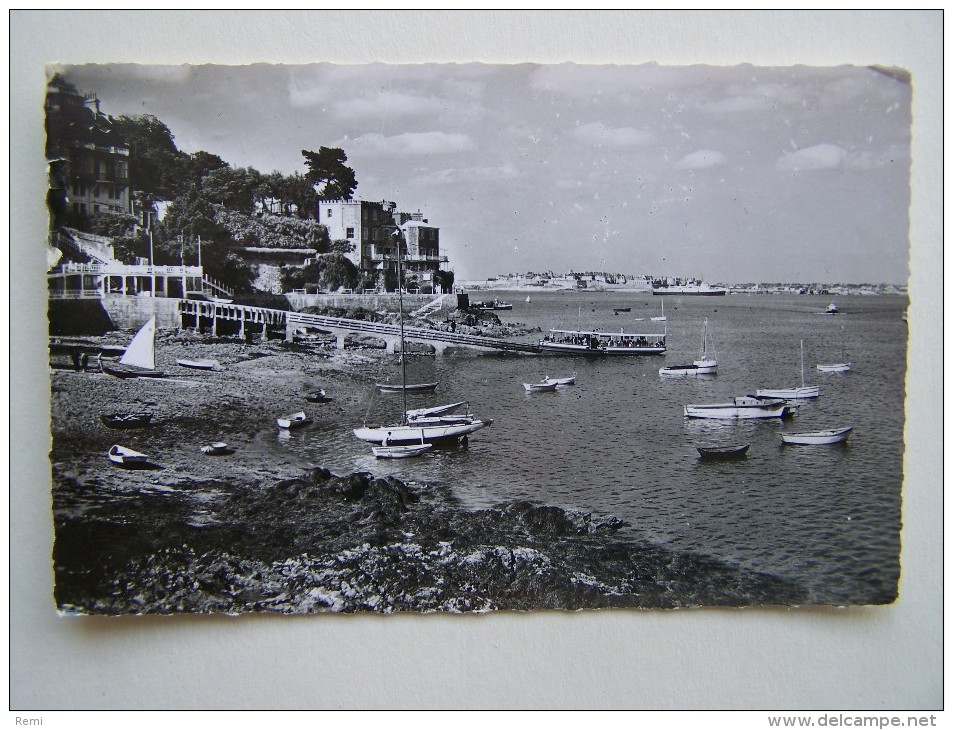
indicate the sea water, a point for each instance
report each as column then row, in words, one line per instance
column 617, row 442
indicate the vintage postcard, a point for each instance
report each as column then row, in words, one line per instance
column 471, row 337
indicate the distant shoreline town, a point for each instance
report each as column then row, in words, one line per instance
column 603, row 281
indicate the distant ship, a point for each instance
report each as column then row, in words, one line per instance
column 697, row 290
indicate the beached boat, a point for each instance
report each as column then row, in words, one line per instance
column 697, row 290
column 215, row 449
column 406, row 388
column 817, row 438
column 199, row 364
column 704, row 365
column 125, row 456
column 837, row 367
column 797, row 393
column 542, row 387
column 293, row 420
column 571, row 380
column 723, row 452
column 593, row 342
column 140, row 419
column 319, row 396
column 745, row 406
column 139, row 360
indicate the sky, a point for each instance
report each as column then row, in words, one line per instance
column 731, row 174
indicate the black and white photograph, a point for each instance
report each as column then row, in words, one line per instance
column 466, row 338
column 476, row 360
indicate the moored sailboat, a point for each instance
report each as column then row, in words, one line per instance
column 796, row 393
column 704, row 365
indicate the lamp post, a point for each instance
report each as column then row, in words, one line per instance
column 152, row 270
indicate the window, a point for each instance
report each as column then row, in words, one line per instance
column 330, row 212
column 350, row 233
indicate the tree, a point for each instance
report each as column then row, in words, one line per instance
column 327, row 173
column 154, row 160
column 232, row 188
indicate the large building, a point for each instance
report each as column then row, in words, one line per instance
column 370, row 227
column 89, row 163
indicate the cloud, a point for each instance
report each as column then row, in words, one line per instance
column 412, row 143
column 596, row 133
column 387, row 104
column 700, row 160
column 818, row 157
column 470, row 174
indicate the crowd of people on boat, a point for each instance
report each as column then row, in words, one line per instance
column 596, row 341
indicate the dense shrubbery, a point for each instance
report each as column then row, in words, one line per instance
column 329, row 273
column 273, row 231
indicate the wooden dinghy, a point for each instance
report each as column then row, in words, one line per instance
column 294, row 420
column 405, row 451
column 126, row 420
column 200, row 364
column 125, row 456
column 817, row 438
column 734, row 451
column 215, row 449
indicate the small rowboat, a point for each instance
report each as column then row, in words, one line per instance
column 622, row 309
column 215, row 449
column 544, row 387
column 200, row 364
column 406, row 451
column 319, row 396
column 126, row 420
column 409, row 388
column 561, row 381
column 125, row 456
column 723, row 452
column 817, row 438
column 294, row 420
column 837, row 367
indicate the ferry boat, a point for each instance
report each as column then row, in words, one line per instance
column 697, row 290
column 593, row 342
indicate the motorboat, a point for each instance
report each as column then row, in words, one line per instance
column 126, row 420
column 125, row 456
column 745, row 406
column 723, row 452
column 293, row 420
column 139, row 359
column 571, row 380
column 595, row 342
column 817, row 438
column 704, row 365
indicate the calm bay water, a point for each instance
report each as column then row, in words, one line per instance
column 617, row 442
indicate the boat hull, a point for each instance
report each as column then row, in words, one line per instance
column 539, row 387
column 676, row 371
column 840, row 367
column 401, row 452
column 130, row 371
column 744, row 407
column 723, row 452
column 807, row 391
column 400, row 435
column 570, row 349
column 817, row 438
column 199, row 364
column 295, row 420
column 126, row 457
column 412, row 388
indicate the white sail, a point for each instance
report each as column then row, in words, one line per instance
column 141, row 352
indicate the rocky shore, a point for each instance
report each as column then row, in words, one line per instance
column 247, row 532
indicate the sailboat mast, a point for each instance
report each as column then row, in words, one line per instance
column 802, row 362
column 400, row 310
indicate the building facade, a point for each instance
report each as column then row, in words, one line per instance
column 369, row 227
column 89, row 163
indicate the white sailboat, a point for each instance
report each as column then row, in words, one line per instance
column 704, row 365
column 797, row 393
column 139, row 360
column 663, row 317
column 425, row 429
